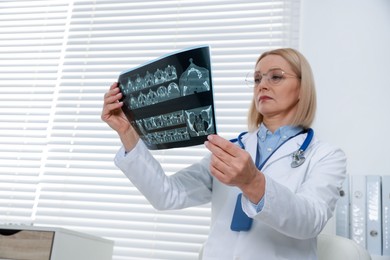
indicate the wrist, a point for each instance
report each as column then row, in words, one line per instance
column 255, row 189
column 129, row 139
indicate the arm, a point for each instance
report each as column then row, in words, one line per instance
column 189, row 187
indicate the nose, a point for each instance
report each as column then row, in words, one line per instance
column 263, row 85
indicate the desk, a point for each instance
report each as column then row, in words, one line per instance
column 51, row 243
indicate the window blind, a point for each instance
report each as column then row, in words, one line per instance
column 31, row 43
column 57, row 155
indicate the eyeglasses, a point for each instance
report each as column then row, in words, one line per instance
column 274, row 77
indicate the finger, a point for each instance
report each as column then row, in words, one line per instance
column 218, row 174
column 114, row 89
column 110, row 98
column 222, row 176
column 219, row 163
column 114, row 85
column 224, row 145
column 110, row 109
column 220, row 160
column 113, row 106
column 218, row 151
column 113, row 96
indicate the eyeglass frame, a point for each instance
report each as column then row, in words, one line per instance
column 252, row 84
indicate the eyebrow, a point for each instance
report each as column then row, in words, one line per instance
column 272, row 68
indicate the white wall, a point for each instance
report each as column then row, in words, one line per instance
column 347, row 43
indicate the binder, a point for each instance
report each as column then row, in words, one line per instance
column 342, row 210
column 374, row 214
column 386, row 215
column 358, row 209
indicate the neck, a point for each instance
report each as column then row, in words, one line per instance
column 273, row 124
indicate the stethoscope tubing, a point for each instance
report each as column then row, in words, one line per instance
column 298, row 156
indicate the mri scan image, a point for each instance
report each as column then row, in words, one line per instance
column 169, row 101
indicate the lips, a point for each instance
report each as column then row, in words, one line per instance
column 264, row 98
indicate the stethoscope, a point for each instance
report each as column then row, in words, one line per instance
column 298, row 157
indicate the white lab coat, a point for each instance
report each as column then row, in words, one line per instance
column 298, row 201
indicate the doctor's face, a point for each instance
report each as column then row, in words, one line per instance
column 276, row 89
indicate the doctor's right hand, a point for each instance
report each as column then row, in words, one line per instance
column 234, row 166
column 113, row 115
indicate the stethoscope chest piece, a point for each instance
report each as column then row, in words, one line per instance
column 297, row 159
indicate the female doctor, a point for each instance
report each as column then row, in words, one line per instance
column 272, row 190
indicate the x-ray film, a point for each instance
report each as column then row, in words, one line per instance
column 169, row 101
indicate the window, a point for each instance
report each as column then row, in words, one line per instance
column 58, row 58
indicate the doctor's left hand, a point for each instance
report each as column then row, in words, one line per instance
column 234, row 166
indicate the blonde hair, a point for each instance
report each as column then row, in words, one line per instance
column 307, row 104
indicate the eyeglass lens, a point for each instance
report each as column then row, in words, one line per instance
column 273, row 77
